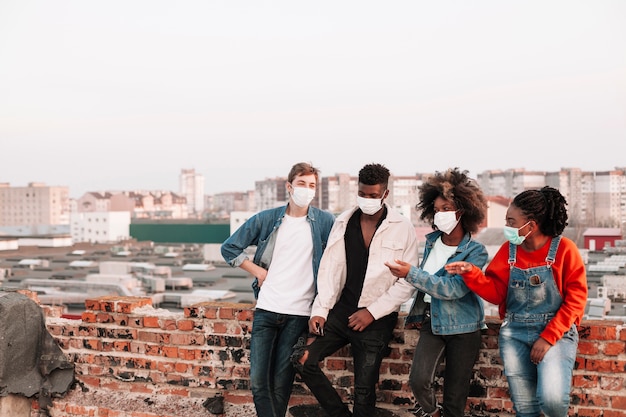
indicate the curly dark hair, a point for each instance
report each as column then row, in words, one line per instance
column 455, row 186
column 373, row 174
column 546, row 207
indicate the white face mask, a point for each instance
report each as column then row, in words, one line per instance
column 446, row 221
column 369, row 205
column 302, row 196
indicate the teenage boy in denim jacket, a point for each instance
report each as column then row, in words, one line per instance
column 290, row 241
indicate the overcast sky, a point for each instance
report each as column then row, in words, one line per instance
column 124, row 94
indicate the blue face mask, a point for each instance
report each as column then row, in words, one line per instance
column 512, row 234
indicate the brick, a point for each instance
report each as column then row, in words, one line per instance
column 189, row 339
column 89, row 317
column 226, row 313
column 220, row 327
column 170, row 351
column 614, row 348
column 92, row 304
column 151, row 322
column 604, row 330
column 586, row 347
column 335, row 364
column 585, row 381
column 185, row 325
column 608, row 383
column 618, row 402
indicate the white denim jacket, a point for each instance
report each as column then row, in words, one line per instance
column 382, row 292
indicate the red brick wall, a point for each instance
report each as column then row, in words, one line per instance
column 135, row 361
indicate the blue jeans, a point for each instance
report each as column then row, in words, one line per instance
column 537, row 388
column 271, row 371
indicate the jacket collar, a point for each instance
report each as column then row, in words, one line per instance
column 432, row 236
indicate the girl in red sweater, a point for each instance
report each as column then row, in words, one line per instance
column 539, row 282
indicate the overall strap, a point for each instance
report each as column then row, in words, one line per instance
column 512, row 254
column 552, row 252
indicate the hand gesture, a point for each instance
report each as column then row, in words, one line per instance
column 458, row 268
column 400, row 269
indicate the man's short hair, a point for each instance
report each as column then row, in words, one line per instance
column 373, row 174
column 303, row 168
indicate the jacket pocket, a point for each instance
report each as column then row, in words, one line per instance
column 391, row 250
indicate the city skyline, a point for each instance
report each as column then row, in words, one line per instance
column 123, row 96
column 253, row 181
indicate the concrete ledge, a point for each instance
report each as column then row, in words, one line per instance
column 15, row 406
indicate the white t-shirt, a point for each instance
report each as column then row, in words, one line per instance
column 289, row 287
column 437, row 258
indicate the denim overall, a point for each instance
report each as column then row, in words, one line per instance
column 532, row 301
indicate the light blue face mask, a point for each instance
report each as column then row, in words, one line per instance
column 512, row 234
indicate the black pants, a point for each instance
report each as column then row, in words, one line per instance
column 460, row 352
column 369, row 347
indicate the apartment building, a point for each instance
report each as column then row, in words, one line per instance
column 36, row 205
column 192, row 189
column 221, row 205
column 270, row 193
column 595, row 198
column 337, row 193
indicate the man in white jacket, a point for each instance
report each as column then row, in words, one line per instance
column 358, row 298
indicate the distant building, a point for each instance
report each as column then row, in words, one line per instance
column 270, row 193
column 594, row 198
column 237, row 218
column 100, row 226
column 35, row 209
column 223, row 204
column 337, row 192
column 496, row 211
column 192, row 188
column 140, row 204
column 600, row 238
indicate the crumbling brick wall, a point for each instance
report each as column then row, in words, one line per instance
column 135, row 361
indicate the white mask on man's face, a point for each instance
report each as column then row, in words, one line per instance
column 369, row 206
column 302, row 196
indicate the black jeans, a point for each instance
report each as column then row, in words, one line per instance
column 460, row 352
column 369, row 347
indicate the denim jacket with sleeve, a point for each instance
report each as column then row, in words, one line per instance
column 454, row 308
column 260, row 231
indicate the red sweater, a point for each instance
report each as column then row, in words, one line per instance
column 569, row 274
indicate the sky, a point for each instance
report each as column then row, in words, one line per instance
column 123, row 95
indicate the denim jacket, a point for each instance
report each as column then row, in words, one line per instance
column 260, row 231
column 454, row 308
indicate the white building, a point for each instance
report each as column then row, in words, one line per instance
column 192, row 188
column 100, row 227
